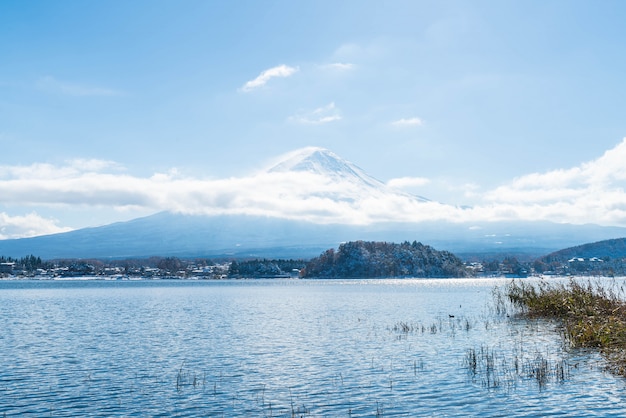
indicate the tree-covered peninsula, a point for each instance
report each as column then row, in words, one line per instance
column 360, row 259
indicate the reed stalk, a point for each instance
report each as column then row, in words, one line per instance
column 593, row 315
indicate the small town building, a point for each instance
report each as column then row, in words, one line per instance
column 7, row 268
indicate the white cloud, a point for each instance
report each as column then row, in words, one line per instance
column 267, row 75
column 25, row 226
column 590, row 193
column 607, row 173
column 319, row 116
column 51, row 84
column 299, row 195
column 408, row 122
column 408, row 182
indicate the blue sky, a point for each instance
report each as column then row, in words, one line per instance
column 483, row 103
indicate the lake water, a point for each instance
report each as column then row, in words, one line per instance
column 283, row 348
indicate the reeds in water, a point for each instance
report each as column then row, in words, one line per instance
column 188, row 378
column 492, row 369
column 449, row 325
column 593, row 315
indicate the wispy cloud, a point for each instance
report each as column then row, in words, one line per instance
column 404, row 122
column 53, row 85
column 339, row 66
column 319, row 116
column 267, row 75
column 70, row 169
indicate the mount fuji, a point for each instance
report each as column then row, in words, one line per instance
column 313, row 200
column 325, row 163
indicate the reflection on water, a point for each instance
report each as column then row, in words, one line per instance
column 286, row 348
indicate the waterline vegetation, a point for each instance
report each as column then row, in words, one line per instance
column 592, row 314
column 497, row 367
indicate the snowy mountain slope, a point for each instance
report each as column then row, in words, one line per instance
column 328, row 165
column 323, row 162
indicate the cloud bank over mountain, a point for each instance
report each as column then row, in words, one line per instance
column 310, row 184
column 28, row 225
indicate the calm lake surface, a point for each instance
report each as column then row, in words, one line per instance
column 283, row 348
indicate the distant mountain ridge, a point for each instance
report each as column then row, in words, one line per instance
column 241, row 236
column 611, row 248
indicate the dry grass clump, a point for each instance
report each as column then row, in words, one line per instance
column 592, row 315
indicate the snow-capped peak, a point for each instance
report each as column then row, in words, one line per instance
column 357, row 184
column 323, row 162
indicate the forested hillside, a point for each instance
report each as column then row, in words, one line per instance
column 612, row 248
column 265, row 268
column 605, row 258
column 383, row 259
